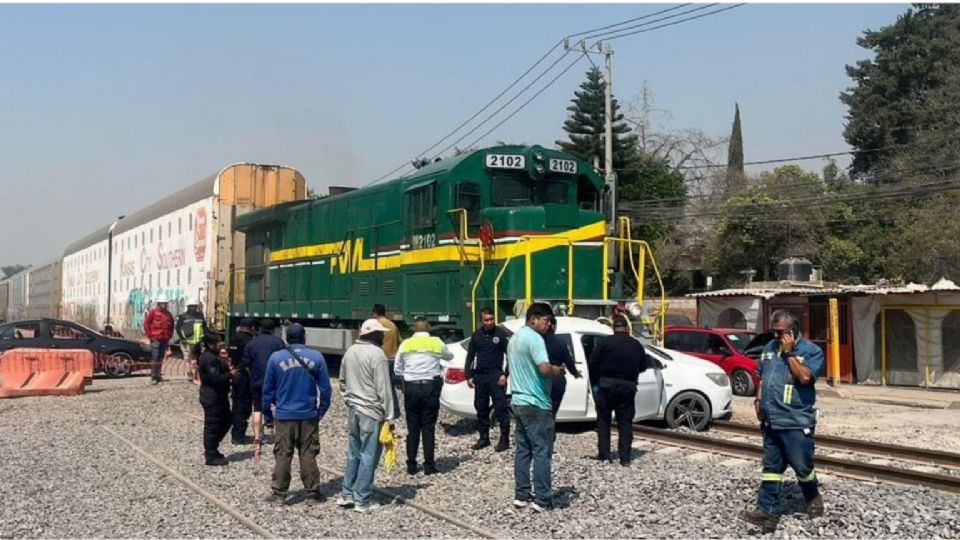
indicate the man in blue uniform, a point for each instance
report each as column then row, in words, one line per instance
column 256, row 355
column 486, row 375
column 241, row 390
column 788, row 368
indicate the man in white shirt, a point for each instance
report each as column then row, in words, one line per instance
column 418, row 364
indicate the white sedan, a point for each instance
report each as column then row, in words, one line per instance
column 681, row 389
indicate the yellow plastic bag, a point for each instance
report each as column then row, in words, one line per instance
column 389, row 445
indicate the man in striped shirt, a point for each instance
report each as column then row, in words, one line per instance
column 418, row 364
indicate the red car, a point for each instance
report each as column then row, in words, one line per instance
column 724, row 347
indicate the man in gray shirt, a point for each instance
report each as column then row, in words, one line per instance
column 365, row 383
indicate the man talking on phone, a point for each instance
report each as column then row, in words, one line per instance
column 788, row 369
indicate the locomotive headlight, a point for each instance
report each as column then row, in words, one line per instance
column 540, row 169
column 538, row 155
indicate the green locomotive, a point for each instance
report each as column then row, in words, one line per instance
column 495, row 228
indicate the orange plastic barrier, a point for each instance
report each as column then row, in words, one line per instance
column 45, row 372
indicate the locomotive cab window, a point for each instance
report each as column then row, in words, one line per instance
column 588, row 198
column 468, row 198
column 420, row 207
column 554, row 191
column 511, row 191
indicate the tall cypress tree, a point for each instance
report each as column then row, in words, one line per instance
column 736, row 178
column 586, row 129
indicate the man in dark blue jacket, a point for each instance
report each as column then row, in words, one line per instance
column 298, row 385
column 256, row 355
column 241, row 390
column 486, row 374
column 786, row 407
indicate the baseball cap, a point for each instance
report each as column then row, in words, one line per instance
column 621, row 322
column 296, row 333
column 267, row 325
column 372, row 325
column 249, row 322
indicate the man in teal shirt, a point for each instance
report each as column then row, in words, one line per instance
column 530, row 373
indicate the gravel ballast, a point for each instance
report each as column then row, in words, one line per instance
column 66, row 476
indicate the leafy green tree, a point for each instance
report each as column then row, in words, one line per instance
column 913, row 58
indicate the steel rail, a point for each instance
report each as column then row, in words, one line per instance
column 855, row 469
column 910, row 453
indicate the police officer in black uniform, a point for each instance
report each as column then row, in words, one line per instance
column 215, row 376
column 615, row 364
column 242, row 393
column 486, row 375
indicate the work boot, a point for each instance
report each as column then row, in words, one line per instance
column 483, row 442
column 276, row 499
column 429, row 468
column 504, row 441
column 315, row 497
column 216, row 461
column 815, row 507
column 758, row 517
column 411, row 469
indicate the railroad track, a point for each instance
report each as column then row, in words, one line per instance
column 265, row 533
column 842, row 444
column 861, row 470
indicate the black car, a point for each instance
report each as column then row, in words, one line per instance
column 116, row 357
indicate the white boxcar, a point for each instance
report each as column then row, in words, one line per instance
column 181, row 246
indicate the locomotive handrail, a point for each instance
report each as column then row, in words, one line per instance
column 473, row 293
column 528, row 277
column 462, row 234
column 639, row 274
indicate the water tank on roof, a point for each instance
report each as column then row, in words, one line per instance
column 794, row 269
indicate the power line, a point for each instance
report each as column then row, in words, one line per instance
column 517, row 81
column 728, row 8
column 524, row 104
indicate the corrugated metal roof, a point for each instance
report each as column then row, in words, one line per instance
column 770, row 292
column 194, row 192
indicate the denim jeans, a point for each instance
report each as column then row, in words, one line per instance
column 157, row 350
column 534, row 437
column 782, row 447
column 363, row 455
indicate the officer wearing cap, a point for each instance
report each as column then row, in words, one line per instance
column 256, row 356
column 242, row 392
column 418, row 365
column 785, row 405
column 615, row 364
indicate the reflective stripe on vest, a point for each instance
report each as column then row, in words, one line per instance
column 197, row 336
column 422, row 344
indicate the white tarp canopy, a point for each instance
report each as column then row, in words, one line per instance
column 922, row 334
column 731, row 312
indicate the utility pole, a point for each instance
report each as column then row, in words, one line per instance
column 110, row 264
column 609, row 176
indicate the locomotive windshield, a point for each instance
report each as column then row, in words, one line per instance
column 511, row 191
column 517, row 191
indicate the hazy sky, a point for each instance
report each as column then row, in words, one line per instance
column 105, row 109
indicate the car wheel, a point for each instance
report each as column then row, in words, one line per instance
column 118, row 365
column 743, row 383
column 688, row 409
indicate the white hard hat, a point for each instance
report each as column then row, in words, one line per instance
column 192, row 302
column 162, row 298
